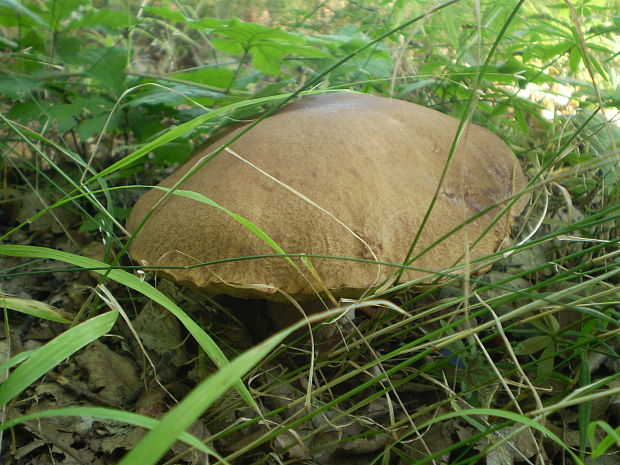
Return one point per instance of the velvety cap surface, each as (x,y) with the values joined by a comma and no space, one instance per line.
(370,163)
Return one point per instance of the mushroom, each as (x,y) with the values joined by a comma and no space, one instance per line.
(332,175)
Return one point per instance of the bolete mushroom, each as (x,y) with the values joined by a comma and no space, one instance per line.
(339,175)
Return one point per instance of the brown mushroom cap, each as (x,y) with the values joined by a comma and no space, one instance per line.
(372,163)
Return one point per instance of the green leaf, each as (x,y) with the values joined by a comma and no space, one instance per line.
(533,344)
(166,13)
(268,45)
(416,85)
(574,59)
(546,364)
(267,59)
(109,68)
(65,117)
(71,49)
(612,437)
(16,11)
(227,45)
(63,8)
(599,68)
(174,152)
(179,131)
(173,94)
(109,18)
(27,111)
(95,104)
(14,361)
(249,33)
(205,23)
(51,354)
(297,49)
(521,120)
(33,308)
(15,86)
(93,126)
(551,51)
(8,43)
(376,64)
(216,77)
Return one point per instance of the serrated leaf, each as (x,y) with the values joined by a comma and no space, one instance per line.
(109,68)
(267,59)
(166,13)
(64,116)
(227,45)
(70,49)
(95,104)
(216,77)
(109,18)
(27,111)
(248,33)
(175,94)
(377,64)
(205,23)
(93,126)
(62,9)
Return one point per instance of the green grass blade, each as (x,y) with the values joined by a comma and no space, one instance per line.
(32,308)
(517,418)
(179,131)
(155,444)
(133,282)
(54,352)
(16,360)
(254,229)
(612,437)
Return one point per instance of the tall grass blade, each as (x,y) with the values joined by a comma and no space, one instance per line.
(155,444)
(133,282)
(51,354)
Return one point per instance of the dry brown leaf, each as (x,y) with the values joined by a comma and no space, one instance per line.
(160,332)
(113,375)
